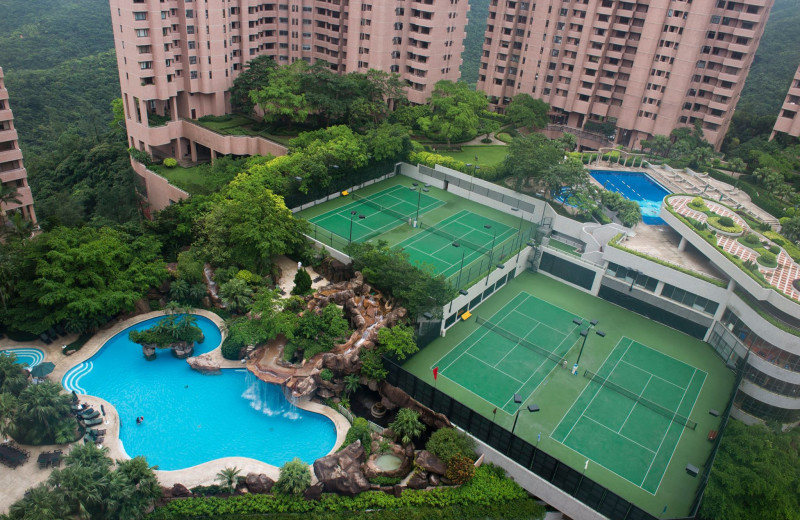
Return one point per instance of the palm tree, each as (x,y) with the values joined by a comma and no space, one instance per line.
(8,407)
(40,503)
(83,487)
(134,488)
(228,478)
(236,294)
(18,227)
(41,408)
(351,383)
(13,378)
(179,290)
(197,291)
(407,425)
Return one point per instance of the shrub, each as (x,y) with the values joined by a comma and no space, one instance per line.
(460,469)
(726,221)
(446,443)
(359,431)
(302,282)
(249,278)
(767,259)
(295,478)
(752,239)
(385,481)
(169,162)
(78,343)
(140,156)
(716,221)
(326,374)
(697,203)
(407,425)
(231,348)
(775,250)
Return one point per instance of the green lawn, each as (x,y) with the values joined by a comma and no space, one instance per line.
(560,389)
(194,180)
(488,155)
(242,125)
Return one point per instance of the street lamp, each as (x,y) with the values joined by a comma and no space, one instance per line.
(585,334)
(353,214)
(531,408)
(471,177)
(458,282)
(491,254)
(414,186)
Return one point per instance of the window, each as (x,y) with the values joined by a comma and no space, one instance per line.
(142,33)
(193,74)
(140,15)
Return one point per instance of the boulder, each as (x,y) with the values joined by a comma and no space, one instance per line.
(434,479)
(141,306)
(259,483)
(418,481)
(314,492)
(431,463)
(398,490)
(182,350)
(394,397)
(204,363)
(180,491)
(341,472)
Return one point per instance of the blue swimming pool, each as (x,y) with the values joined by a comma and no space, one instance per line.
(190,418)
(27,356)
(636,186)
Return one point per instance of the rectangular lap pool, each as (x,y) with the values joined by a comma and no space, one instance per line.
(636,186)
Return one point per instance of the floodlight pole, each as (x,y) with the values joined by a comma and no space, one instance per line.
(585,334)
(491,254)
(419,198)
(458,283)
(353,214)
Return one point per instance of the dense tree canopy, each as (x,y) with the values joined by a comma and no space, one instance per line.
(454,112)
(81,277)
(528,112)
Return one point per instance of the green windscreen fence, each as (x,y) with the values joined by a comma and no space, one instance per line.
(655,313)
(567,271)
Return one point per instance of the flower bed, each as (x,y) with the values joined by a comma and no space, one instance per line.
(731,230)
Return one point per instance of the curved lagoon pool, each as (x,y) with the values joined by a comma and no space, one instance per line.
(190,418)
(25,356)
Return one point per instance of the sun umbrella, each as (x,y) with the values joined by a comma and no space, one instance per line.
(42,369)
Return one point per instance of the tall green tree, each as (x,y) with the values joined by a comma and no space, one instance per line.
(248,225)
(82,277)
(756,475)
(525,111)
(529,157)
(454,111)
(255,76)
(282,98)
(42,411)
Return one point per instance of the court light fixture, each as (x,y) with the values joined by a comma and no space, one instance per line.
(585,335)
(298,179)
(594,323)
(462,292)
(427,315)
(517,398)
(427,185)
(533,407)
(501,266)
(576,321)
(514,209)
(601,333)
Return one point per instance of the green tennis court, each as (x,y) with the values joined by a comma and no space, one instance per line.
(513,352)
(433,245)
(632,423)
(382,212)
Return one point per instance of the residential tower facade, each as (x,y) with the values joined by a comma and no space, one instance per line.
(12,170)
(178,58)
(647,66)
(788,121)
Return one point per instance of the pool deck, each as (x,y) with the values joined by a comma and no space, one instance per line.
(15,482)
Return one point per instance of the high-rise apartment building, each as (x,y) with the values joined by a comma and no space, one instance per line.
(788,121)
(178,58)
(649,66)
(12,171)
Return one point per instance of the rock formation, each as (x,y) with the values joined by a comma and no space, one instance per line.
(341,472)
(204,363)
(258,483)
(394,397)
(431,463)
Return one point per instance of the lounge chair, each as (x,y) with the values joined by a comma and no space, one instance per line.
(93,415)
(86,411)
(92,431)
(51,333)
(93,422)
(99,440)
(45,339)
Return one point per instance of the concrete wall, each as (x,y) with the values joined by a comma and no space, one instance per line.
(160,193)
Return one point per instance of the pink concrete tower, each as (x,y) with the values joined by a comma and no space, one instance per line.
(178,58)
(648,66)
(788,121)
(12,171)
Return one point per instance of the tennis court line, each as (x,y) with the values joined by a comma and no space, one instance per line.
(515,347)
(493,368)
(624,437)
(634,407)
(564,441)
(683,430)
(544,324)
(659,377)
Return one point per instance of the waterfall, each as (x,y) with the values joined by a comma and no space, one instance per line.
(267,398)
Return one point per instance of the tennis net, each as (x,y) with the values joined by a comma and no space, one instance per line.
(666,412)
(520,341)
(389,211)
(430,228)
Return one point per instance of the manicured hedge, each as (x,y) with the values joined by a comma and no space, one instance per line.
(487,492)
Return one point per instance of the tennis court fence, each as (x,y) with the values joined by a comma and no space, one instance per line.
(518,340)
(531,457)
(666,412)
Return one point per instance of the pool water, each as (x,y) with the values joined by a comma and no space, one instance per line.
(636,186)
(26,356)
(191,418)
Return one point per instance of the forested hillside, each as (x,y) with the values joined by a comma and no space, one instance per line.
(775,63)
(61,74)
(473,43)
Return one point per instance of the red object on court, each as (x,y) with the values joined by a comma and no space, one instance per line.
(435,373)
